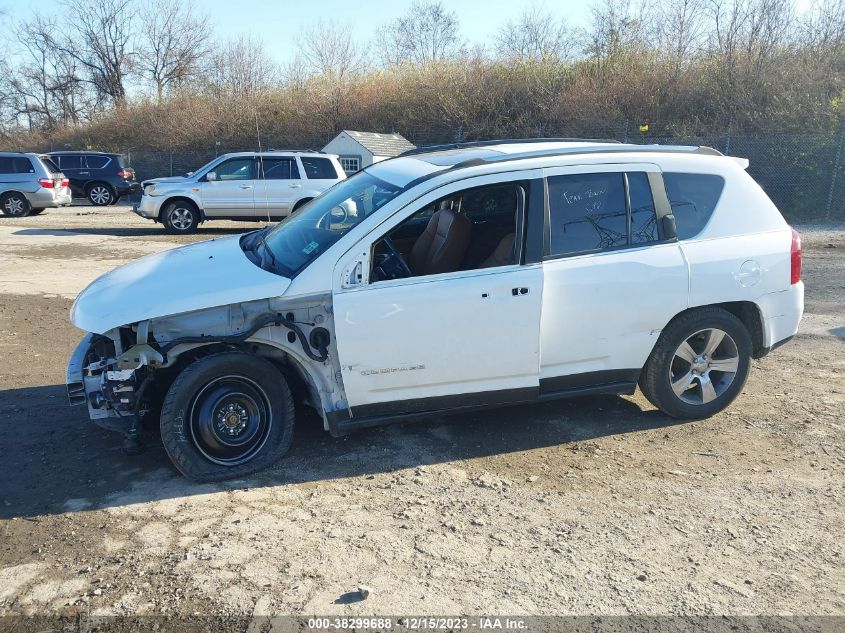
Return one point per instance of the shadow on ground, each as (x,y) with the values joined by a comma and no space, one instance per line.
(57,461)
(154,230)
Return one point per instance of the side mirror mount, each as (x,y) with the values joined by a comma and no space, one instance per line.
(189,174)
(670,230)
(211,176)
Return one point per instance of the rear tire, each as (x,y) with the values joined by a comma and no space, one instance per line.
(100,194)
(180,217)
(227,415)
(35,211)
(15,205)
(699,364)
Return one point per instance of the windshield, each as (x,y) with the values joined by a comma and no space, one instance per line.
(302,237)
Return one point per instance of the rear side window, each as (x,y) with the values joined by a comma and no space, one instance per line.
(318,168)
(50,165)
(97,162)
(587,212)
(693,198)
(279,169)
(643,215)
(16,165)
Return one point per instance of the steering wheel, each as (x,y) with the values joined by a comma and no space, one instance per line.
(397,255)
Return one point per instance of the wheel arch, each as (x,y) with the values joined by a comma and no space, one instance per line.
(180,198)
(746,311)
(296,369)
(302,201)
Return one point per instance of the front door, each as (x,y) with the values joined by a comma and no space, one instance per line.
(232,191)
(463,337)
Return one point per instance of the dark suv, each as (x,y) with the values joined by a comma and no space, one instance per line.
(102,178)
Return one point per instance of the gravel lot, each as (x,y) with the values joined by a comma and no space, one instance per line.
(598,505)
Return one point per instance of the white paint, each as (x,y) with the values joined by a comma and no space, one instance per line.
(193,277)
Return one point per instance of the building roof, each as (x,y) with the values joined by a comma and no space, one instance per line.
(381,144)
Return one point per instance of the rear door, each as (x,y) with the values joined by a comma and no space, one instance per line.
(279,185)
(232,192)
(611,281)
(75,168)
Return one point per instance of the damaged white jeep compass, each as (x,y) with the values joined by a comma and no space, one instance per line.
(448,278)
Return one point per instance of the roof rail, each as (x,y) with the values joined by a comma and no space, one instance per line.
(292,151)
(508,141)
(574,151)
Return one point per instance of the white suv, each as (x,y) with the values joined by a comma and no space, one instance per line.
(240,186)
(445,279)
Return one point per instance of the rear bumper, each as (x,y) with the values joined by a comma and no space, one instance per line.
(43,198)
(781,313)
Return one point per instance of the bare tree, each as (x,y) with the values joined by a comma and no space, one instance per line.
(618,26)
(426,33)
(103,44)
(176,41)
(242,67)
(537,36)
(328,49)
(680,29)
(45,87)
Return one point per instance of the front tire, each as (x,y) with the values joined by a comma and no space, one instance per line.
(15,205)
(99,194)
(180,217)
(699,364)
(35,211)
(227,415)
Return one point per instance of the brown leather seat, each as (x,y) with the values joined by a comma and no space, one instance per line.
(443,244)
(503,253)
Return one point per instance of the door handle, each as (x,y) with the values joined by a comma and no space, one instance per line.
(246,186)
(519,291)
(295,186)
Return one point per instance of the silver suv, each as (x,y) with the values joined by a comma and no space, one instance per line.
(239,186)
(29,184)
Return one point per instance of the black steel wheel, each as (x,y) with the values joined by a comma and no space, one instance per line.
(227,415)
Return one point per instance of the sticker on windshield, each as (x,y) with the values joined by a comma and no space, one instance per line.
(313,246)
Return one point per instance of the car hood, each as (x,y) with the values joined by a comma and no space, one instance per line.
(195,277)
(166,179)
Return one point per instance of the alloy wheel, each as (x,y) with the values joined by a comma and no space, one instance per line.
(181,218)
(14,205)
(100,195)
(704,366)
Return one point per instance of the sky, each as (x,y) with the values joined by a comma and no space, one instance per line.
(279,22)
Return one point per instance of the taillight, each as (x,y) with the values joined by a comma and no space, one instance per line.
(65,183)
(47,183)
(126,174)
(795,258)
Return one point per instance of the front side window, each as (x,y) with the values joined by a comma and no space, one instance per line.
(467,230)
(693,198)
(279,169)
(317,168)
(587,212)
(302,237)
(235,169)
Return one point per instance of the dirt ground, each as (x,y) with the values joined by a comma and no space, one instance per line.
(599,505)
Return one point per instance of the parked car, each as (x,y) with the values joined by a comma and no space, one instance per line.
(101,178)
(442,280)
(29,184)
(239,186)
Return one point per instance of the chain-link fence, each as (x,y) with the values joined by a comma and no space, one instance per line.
(801,173)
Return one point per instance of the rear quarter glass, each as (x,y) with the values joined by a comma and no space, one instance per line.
(693,198)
